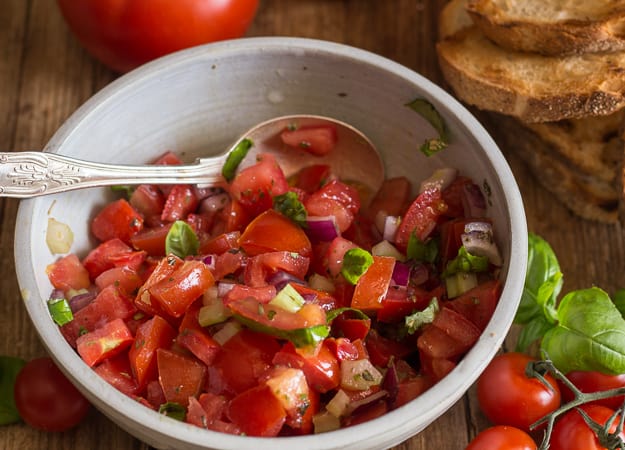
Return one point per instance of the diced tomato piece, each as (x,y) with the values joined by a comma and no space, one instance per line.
(257,412)
(244,358)
(318,140)
(193,337)
(259,267)
(343,349)
(101,258)
(255,186)
(453,195)
(117,220)
(109,304)
(373,284)
(478,304)
(382,349)
(163,271)
(180,376)
(290,387)
(333,260)
(410,389)
(68,273)
(269,316)
(311,178)
(233,217)
(154,392)
(400,302)
(321,366)
(151,240)
(362,232)
(335,199)
(148,200)
(151,335)
(168,158)
(262,294)
(206,410)
(421,218)
(110,339)
(351,326)
(180,202)
(220,244)
(450,335)
(116,371)
(127,279)
(273,232)
(393,197)
(182,287)
(435,368)
(201,223)
(228,263)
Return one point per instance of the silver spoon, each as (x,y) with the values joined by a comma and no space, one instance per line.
(31,174)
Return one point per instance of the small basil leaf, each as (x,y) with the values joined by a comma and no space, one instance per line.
(590,334)
(234,158)
(173,410)
(9,368)
(420,251)
(289,205)
(429,113)
(60,311)
(465,262)
(181,240)
(356,261)
(416,320)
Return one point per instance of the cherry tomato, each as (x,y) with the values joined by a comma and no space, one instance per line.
(502,437)
(572,433)
(590,381)
(126,33)
(46,399)
(508,397)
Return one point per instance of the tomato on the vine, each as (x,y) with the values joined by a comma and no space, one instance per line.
(46,399)
(507,396)
(126,33)
(502,437)
(572,433)
(591,381)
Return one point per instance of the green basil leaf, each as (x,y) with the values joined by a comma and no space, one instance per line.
(289,205)
(543,282)
(9,368)
(429,113)
(173,410)
(234,158)
(60,311)
(356,261)
(181,240)
(420,251)
(334,313)
(416,320)
(590,334)
(465,262)
(619,301)
(532,332)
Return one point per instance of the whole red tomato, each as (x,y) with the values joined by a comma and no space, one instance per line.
(501,437)
(572,433)
(126,33)
(590,381)
(46,399)
(508,397)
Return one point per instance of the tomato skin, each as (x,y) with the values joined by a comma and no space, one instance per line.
(572,433)
(273,232)
(46,399)
(124,34)
(508,397)
(117,220)
(421,217)
(591,381)
(502,437)
(68,273)
(316,140)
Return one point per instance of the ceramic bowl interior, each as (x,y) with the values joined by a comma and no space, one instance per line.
(197,102)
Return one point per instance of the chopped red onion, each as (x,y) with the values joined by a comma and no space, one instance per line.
(419,274)
(321,228)
(440,179)
(282,278)
(209,260)
(360,403)
(202,192)
(473,201)
(478,240)
(223,287)
(391,223)
(214,203)
(79,301)
(390,383)
(401,274)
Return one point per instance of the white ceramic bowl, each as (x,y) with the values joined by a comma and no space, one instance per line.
(197,102)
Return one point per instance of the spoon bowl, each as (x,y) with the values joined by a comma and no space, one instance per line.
(354,158)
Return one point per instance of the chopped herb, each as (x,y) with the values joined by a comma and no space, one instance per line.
(127,190)
(234,159)
(417,319)
(421,251)
(429,113)
(60,311)
(289,205)
(173,410)
(465,262)
(181,240)
(356,261)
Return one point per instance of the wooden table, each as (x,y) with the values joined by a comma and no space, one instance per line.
(45,75)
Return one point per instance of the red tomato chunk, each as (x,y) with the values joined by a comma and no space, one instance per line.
(251,326)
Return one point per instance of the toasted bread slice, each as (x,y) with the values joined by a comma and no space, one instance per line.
(552,27)
(529,86)
(560,164)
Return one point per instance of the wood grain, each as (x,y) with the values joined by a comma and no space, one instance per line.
(45,75)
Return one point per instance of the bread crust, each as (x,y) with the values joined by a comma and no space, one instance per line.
(531,87)
(571,28)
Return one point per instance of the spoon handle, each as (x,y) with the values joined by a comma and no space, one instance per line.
(30,174)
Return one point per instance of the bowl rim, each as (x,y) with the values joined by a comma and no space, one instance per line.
(402,421)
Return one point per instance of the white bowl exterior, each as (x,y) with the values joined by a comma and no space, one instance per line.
(199,101)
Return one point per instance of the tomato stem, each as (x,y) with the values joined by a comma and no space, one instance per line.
(611,441)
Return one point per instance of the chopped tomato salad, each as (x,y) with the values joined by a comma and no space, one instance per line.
(277,306)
